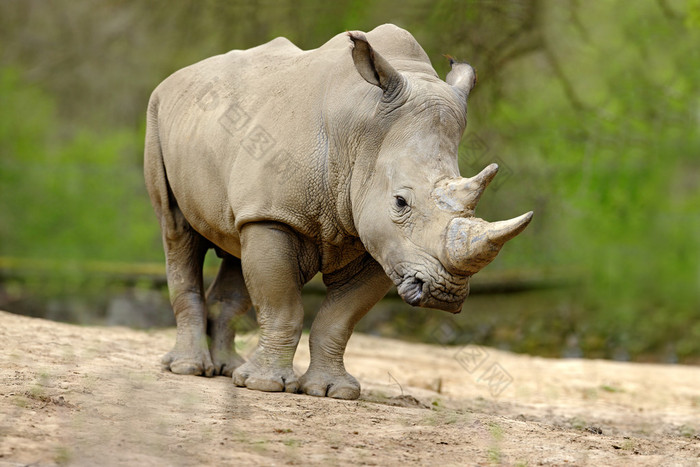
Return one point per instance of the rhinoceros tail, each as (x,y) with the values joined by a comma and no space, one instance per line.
(153,164)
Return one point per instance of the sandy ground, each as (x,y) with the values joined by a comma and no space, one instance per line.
(97,396)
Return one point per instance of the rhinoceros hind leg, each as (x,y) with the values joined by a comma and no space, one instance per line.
(276,262)
(352,291)
(184,251)
(227,301)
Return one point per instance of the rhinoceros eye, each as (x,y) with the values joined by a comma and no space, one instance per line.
(401,202)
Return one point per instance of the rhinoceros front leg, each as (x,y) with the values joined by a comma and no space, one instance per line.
(352,291)
(271,257)
(227,300)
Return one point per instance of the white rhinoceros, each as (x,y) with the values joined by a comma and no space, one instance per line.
(342,160)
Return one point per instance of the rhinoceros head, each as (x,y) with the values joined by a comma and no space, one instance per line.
(412,210)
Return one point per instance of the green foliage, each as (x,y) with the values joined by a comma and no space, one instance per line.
(619,171)
(75,199)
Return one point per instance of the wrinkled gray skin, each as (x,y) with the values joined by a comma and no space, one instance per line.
(342,160)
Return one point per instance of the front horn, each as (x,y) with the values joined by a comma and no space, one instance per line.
(472,243)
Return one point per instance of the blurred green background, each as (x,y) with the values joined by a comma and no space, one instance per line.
(591,108)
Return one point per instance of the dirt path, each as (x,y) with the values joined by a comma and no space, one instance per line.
(97,396)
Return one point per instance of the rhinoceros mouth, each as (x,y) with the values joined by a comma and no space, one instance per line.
(411,290)
(429,294)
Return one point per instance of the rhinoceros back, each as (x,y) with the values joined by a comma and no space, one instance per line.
(228,130)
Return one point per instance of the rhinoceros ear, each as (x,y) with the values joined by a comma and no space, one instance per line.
(461,77)
(373,67)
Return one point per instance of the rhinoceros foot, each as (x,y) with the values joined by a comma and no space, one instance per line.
(189,360)
(337,386)
(254,375)
(225,360)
